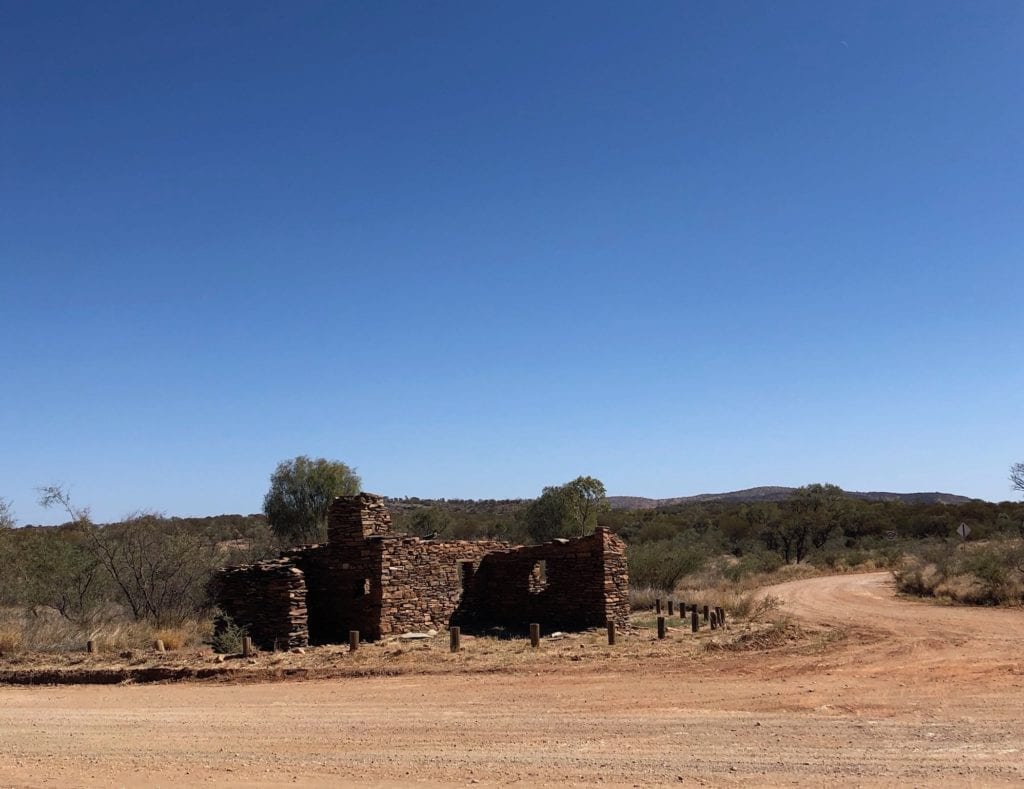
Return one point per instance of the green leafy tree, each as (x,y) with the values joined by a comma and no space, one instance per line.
(765,519)
(565,510)
(805,519)
(57,570)
(584,498)
(547,516)
(430,521)
(301,491)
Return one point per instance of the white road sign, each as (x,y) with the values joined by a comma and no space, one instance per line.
(964,530)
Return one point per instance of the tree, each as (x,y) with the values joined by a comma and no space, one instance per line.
(565,510)
(809,514)
(158,571)
(1017,476)
(301,491)
(430,521)
(161,570)
(64,572)
(7,519)
(584,498)
(547,516)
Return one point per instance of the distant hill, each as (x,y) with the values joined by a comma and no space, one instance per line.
(776,493)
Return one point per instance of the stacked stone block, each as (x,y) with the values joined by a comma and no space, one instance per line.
(424,582)
(268,599)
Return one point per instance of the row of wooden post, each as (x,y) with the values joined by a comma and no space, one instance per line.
(92,648)
(715,617)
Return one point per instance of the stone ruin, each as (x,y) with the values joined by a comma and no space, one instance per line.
(365,578)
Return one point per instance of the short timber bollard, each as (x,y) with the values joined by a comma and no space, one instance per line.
(246,646)
(661,627)
(158,645)
(657,605)
(721,616)
(705,615)
(670,607)
(714,620)
(353,640)
(611,634)
(90,647)
(534,635)
(455,639)
(694,620)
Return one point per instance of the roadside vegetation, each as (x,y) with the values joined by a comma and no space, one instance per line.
(148,576)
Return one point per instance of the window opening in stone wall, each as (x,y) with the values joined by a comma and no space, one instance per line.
(539,576)
(361,588)
(466,574)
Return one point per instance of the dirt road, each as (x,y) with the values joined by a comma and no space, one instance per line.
(892,693)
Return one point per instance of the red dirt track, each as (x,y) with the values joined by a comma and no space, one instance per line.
(891,693)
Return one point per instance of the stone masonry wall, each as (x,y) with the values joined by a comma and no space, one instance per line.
(268,599)
(369,580)
(423,582)
(563,585)
(351,519)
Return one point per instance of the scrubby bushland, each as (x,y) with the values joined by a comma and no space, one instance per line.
(117,583)
(988,573)
(662,563)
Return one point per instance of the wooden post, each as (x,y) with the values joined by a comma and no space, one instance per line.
(657,605)
(246,646)
(454,639)
(611,634)
(90,647)
(661,627)
(705,615)
(721,616)
(714,620)
(158,645)
(694,621)
(670,606)
(353,640)
(534,635)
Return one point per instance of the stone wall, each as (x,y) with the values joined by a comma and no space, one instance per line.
(351,519)
(423,582)
(563,585)
(367,579)
(268,599)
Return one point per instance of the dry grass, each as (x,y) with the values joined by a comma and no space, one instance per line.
(637,648)
(10,640)
(46,631)
(642,598)
(190,634)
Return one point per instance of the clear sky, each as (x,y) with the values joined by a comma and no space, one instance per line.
(477,248)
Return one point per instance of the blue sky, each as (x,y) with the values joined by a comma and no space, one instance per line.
(474,249)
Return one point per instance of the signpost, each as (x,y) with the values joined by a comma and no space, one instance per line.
(964,531)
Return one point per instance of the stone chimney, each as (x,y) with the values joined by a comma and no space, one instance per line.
(351,519)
